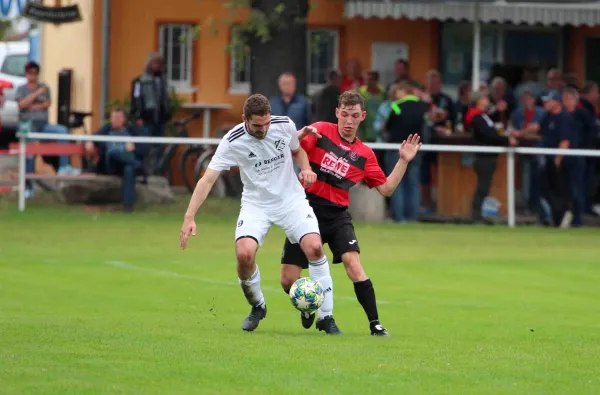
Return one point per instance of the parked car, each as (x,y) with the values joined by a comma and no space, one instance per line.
(13,57)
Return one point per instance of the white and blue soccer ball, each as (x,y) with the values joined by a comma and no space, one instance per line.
(307,295)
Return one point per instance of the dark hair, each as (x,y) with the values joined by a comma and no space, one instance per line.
(332,75)
(351,98)
(463,87)
(31,65)
(374,74)
(403,62)
(119,109)
(256,104)
(588,86)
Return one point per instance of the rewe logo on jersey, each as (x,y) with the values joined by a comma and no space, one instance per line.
(334,165)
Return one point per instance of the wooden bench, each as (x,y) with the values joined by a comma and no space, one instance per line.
(53,149)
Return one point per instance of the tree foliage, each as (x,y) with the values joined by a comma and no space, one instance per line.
(260,28)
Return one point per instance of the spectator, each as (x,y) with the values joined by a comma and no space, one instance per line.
(502,102)
(530,83)
(118,158)
(151,103)
(584,126)
(407,116)
(443,117)
(557,132)
(289,103)
(33,100)
(484,133)
(402,72)
(588,99)
(571,81)
(462,104)
(353,78)
(526,119)
(325,102)
(383,113)
(554,82)
(374,95)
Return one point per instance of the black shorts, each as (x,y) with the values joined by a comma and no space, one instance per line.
(338,232)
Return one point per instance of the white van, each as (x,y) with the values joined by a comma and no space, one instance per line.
(13,57)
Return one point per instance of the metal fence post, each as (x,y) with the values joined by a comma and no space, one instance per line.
(22,169)
(510,186)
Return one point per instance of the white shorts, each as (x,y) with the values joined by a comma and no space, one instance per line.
(296,221)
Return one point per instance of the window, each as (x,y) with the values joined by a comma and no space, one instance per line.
(175,43)
(14,65)
(239,74)
(322,56)
(511,46)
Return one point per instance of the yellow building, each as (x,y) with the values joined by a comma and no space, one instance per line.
(372,31)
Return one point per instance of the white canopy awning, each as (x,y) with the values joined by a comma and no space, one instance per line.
(530,13)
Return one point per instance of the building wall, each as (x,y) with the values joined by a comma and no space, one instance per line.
(69,46)
(134,34)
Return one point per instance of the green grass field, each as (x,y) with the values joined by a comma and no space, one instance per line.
(99,303)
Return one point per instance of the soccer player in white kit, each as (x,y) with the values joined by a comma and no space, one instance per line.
(263,147)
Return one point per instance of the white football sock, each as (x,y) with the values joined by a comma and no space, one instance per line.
(319,270)
(252,290)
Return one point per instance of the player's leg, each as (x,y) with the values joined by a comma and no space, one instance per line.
(301,226)
(293,261)
(345,248)
(252,227)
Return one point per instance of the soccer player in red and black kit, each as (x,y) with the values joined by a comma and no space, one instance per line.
(340,161)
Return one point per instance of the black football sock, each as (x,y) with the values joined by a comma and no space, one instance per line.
(366,297)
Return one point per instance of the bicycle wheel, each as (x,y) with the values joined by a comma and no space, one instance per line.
(202,164)
(234,183)
(219,189)
(187,166)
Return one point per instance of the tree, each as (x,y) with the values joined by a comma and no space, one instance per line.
(285,51)
(274,34)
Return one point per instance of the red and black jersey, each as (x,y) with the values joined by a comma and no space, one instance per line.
(339,166)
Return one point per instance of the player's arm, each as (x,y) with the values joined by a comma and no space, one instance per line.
(223,159)
(408,150)
(393,180)
(201,191)
(307,176)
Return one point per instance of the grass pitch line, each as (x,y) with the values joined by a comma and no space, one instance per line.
(168,273)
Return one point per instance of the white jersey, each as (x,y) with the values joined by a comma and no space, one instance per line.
(266,165)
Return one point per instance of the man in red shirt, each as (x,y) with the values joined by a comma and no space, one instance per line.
(340,161)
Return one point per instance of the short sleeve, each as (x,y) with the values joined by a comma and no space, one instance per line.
(223,159)
(20,93)
(294,142)
(309,142)
(374,176)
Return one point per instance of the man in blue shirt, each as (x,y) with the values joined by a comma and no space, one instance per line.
(526,119)
(560,180)
(289,103)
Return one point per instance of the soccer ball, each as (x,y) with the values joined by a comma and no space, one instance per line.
(307,295)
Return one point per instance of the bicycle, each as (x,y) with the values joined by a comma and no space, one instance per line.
(231,179)
(164,166)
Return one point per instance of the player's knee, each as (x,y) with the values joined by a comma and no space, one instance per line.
(245,257)
(312,246)
(354,269)
(287,281)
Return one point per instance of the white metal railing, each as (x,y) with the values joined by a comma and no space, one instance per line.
(509,151)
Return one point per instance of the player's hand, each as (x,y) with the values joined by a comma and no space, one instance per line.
(187,229)
(308,130)
(307,177)
(410,147)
